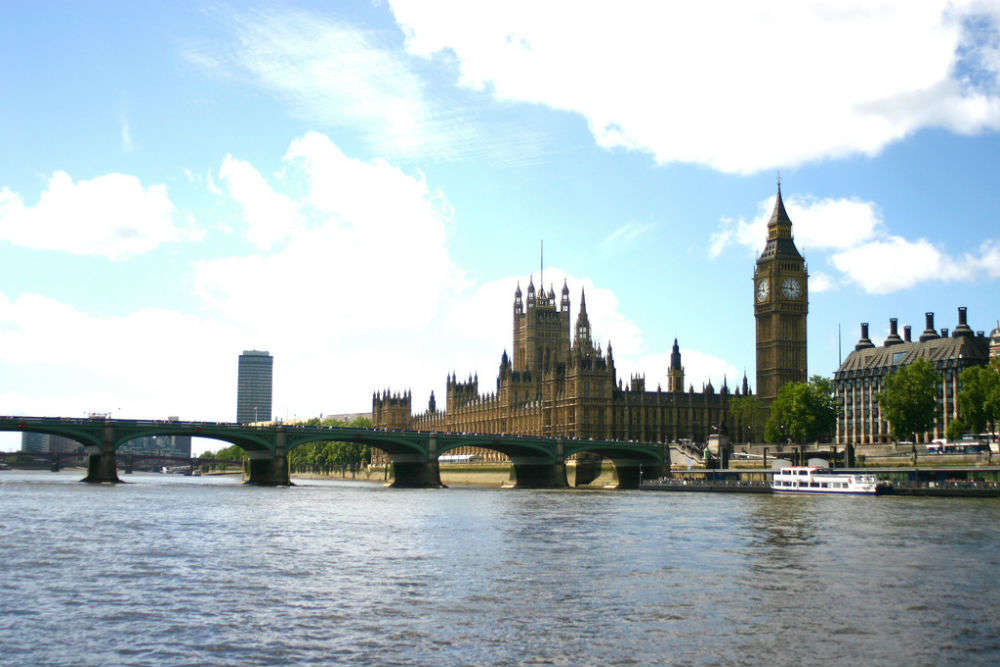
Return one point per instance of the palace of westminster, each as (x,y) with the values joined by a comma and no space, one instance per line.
(558,385)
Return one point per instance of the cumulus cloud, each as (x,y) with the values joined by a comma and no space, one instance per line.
(818,224)
(736,86)
(149,363)
(270,217)
(894,263)
(114,216)
(852,235)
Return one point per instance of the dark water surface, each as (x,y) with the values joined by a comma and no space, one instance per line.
(203,571)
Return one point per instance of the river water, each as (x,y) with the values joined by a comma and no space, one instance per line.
(203,571)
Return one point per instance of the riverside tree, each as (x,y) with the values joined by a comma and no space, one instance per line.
(748,411)
(979,399)
(326,456)
(908,400)
(802,412)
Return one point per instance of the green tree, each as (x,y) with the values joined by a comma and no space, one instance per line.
(909,399)
(802,411)
(956,429)
(979,399)
(749,412)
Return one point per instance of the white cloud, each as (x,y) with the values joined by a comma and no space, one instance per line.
(627,233)
(149,363)
(863,249)
(270,217)
(112,215)
(128,144)
(363,296)
(820,282)
(894,263)
(334,74)
(817,224)
(736,86)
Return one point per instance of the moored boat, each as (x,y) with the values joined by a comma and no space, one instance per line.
(814,479)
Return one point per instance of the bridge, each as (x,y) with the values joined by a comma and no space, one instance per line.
(537,461)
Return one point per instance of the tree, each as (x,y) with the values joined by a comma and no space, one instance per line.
(979,399)
(909,399)
(955,430)
(749,412)
(802,411)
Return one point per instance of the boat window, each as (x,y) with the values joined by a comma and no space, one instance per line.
(824,485)
(803,472)
(814,485)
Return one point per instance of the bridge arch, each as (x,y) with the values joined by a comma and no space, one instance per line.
(85,439)
(248,443)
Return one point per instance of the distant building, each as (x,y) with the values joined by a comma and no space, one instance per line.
(862,375)
(560,382)
(43,443)
(163,445)
(253,387)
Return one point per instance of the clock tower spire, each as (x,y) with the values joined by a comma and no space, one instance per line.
(781,304)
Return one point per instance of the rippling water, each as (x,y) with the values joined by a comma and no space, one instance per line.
(187,571)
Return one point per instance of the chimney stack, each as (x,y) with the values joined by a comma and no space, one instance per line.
(893,337)
(929,332)
(963,328)
(865,342)
(944,332)
(907,334)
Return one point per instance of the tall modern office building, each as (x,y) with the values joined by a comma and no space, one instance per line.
(42,443)
(253,391)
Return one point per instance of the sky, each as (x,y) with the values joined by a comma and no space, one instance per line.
(358,187)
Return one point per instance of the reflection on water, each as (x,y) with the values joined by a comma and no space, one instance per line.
(181,571)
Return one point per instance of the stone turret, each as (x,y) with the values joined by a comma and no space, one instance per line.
(675,372)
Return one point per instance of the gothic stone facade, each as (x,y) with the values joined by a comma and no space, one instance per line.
(862,375)
(556,387)
(561,385)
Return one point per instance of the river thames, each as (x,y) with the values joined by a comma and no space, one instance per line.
(204,571)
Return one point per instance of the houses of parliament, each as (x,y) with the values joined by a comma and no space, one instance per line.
(558,384)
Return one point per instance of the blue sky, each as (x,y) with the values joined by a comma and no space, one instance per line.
(358,187)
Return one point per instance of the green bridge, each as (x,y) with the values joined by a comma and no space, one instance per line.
(537,462)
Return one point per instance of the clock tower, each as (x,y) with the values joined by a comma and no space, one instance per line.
(781,303)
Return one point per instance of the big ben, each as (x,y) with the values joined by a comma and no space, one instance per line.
(781,304)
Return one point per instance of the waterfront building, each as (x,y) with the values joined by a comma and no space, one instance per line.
(253,387)
(558,384)
(862,375)
(162,445)
(43,443)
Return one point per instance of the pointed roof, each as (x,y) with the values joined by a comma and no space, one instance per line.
(779,234)
(779,216)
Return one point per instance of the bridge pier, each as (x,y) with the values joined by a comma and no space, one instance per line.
(102,461)
(413,471)
(415,474)
(628,472)
(588,468)
(536,473)
(55,464)
(263,469)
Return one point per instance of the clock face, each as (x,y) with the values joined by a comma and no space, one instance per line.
(791,289)
(762,290)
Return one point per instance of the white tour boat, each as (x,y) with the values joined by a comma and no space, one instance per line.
(813,479)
